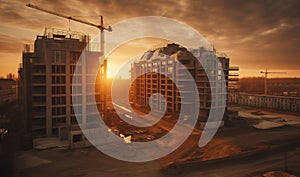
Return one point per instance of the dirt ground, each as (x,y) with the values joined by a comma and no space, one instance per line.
(236,138)
(87,162)
(90,162)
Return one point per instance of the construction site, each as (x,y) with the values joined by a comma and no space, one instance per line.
(257,136)
(278,133)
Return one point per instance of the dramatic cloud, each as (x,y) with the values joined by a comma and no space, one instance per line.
(254,34)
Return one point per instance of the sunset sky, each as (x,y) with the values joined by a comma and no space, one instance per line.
(254,34)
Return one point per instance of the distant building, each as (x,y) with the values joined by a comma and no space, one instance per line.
(8,90)
(272,102)
(155,81)
(276,86)
(46,78)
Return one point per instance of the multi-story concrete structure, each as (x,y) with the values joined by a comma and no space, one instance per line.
(46,77)
(159,69)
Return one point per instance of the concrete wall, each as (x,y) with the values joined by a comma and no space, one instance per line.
(281,103)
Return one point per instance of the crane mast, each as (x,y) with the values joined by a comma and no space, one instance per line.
(266,79)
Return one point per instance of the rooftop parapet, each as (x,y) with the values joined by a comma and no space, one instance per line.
(61,34)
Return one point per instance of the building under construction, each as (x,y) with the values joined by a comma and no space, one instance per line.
(46,76)
(159,69)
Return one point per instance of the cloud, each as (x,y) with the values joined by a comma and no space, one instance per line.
(10,44)
(260,31)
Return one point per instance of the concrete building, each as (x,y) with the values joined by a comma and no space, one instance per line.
(159,69)
(46,77)
(278,103)
(8,90)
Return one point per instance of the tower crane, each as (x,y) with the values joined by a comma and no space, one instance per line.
(101,29)
(266,78)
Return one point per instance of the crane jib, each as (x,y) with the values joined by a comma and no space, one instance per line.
(101,27)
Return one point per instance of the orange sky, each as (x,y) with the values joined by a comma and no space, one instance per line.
(255,35)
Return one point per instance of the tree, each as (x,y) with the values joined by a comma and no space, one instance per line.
(11,76)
